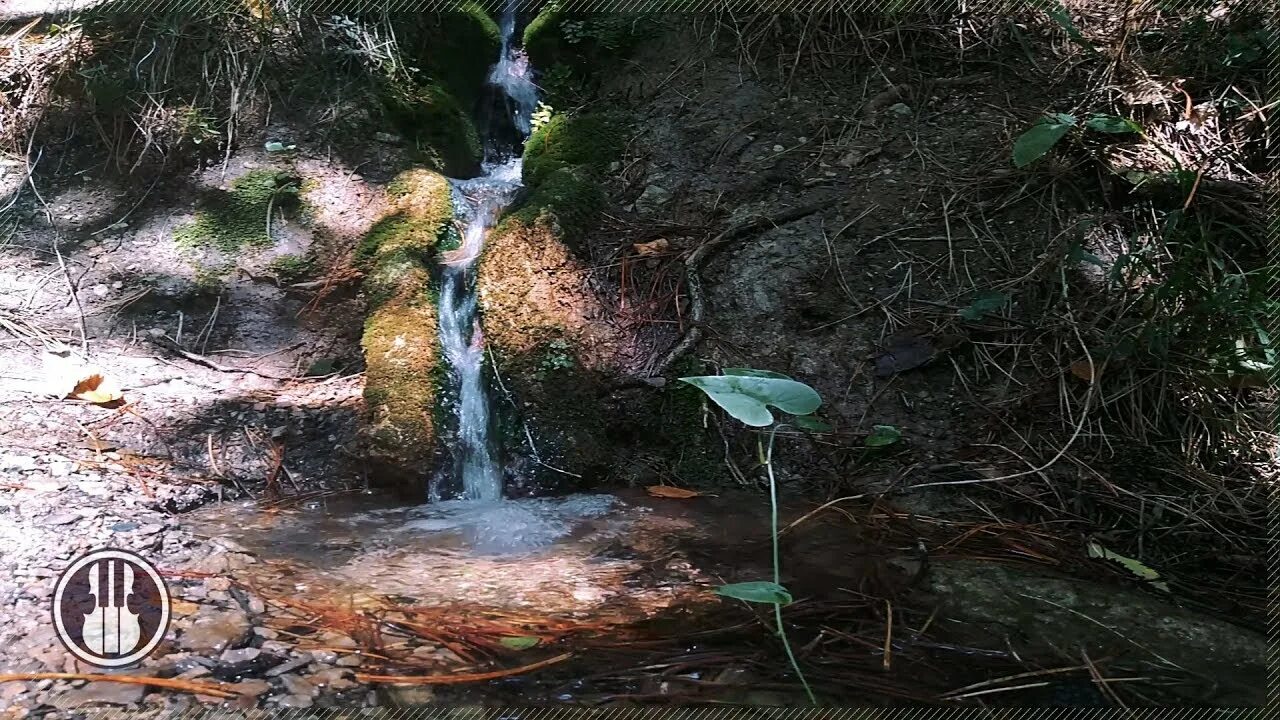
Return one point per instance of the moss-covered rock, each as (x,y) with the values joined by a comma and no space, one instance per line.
(400,340)
(441,132)
(544,328)
(454,48)
(590,140)
(578,47)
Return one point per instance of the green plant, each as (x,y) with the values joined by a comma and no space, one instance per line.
(1040,138)
(556,358)
(746,395)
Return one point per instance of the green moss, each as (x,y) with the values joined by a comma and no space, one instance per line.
(542,39)
(400,339)
(235,220)
(591,140)
(293,268)
(441,132)
(567,200)
(456,49)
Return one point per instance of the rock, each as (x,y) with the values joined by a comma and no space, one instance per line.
(294,701)
(20,463)
(61,468)
(101,290)
(900,109)
(332,678)
(44,484)
(62,518)
(777,148)
(251,687)
(216,631)
(289,666)
(410,695)
(297,686)
(349,661)
(239,656)
(156,332)
(329,638)
(653,198)
(94,693)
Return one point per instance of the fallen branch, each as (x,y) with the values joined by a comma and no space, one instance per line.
(693,280)
(460,678)
(192,686)
(202,360)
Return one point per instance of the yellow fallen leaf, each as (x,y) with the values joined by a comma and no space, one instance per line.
(656,247)
(96,389)
(675,493)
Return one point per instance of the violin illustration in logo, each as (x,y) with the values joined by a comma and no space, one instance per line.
(111,608)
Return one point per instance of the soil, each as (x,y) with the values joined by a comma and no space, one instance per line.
(238,387)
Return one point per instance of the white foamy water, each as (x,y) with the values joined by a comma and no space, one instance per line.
(480,201)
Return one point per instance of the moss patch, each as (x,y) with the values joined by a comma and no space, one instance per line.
(578,47)
(590,140)
(400,339)
(440,131)
(235,220)
(293,268)
(456,48)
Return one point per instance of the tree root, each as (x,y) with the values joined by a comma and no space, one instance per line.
(693,278)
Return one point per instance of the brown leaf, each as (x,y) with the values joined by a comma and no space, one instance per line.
(675,493)
(1086,372)
(96,389)
(656,247)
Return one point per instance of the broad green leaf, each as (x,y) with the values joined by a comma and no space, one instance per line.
(1040,138)
(748,372)
(519,642)
(745,397)
(1112,124)
(988,301)
(882,435)
(1133,566)
(810,424)
(758,591)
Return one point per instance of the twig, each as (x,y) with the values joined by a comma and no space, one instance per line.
(191,686)
(461,678)
(693,280)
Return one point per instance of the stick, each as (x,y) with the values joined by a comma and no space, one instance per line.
(191,686)
(693,280)
(459,679)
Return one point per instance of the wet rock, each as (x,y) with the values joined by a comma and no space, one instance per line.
(100,693)
(251,687)
(410,695)
(242,661)
(289,666)
(294,701)
(216,631)
(332,678)
(298,686)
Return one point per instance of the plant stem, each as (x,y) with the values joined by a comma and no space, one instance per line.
(767,457)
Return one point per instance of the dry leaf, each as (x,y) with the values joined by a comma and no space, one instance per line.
(657,247)
(1085,371)
(675,493)
(96,389)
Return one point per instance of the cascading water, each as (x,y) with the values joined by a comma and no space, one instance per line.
(506,122)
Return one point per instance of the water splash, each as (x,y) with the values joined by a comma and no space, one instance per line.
(479,202)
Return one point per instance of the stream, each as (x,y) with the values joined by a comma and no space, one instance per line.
(511,98)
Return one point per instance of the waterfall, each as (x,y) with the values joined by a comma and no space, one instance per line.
(512,99)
